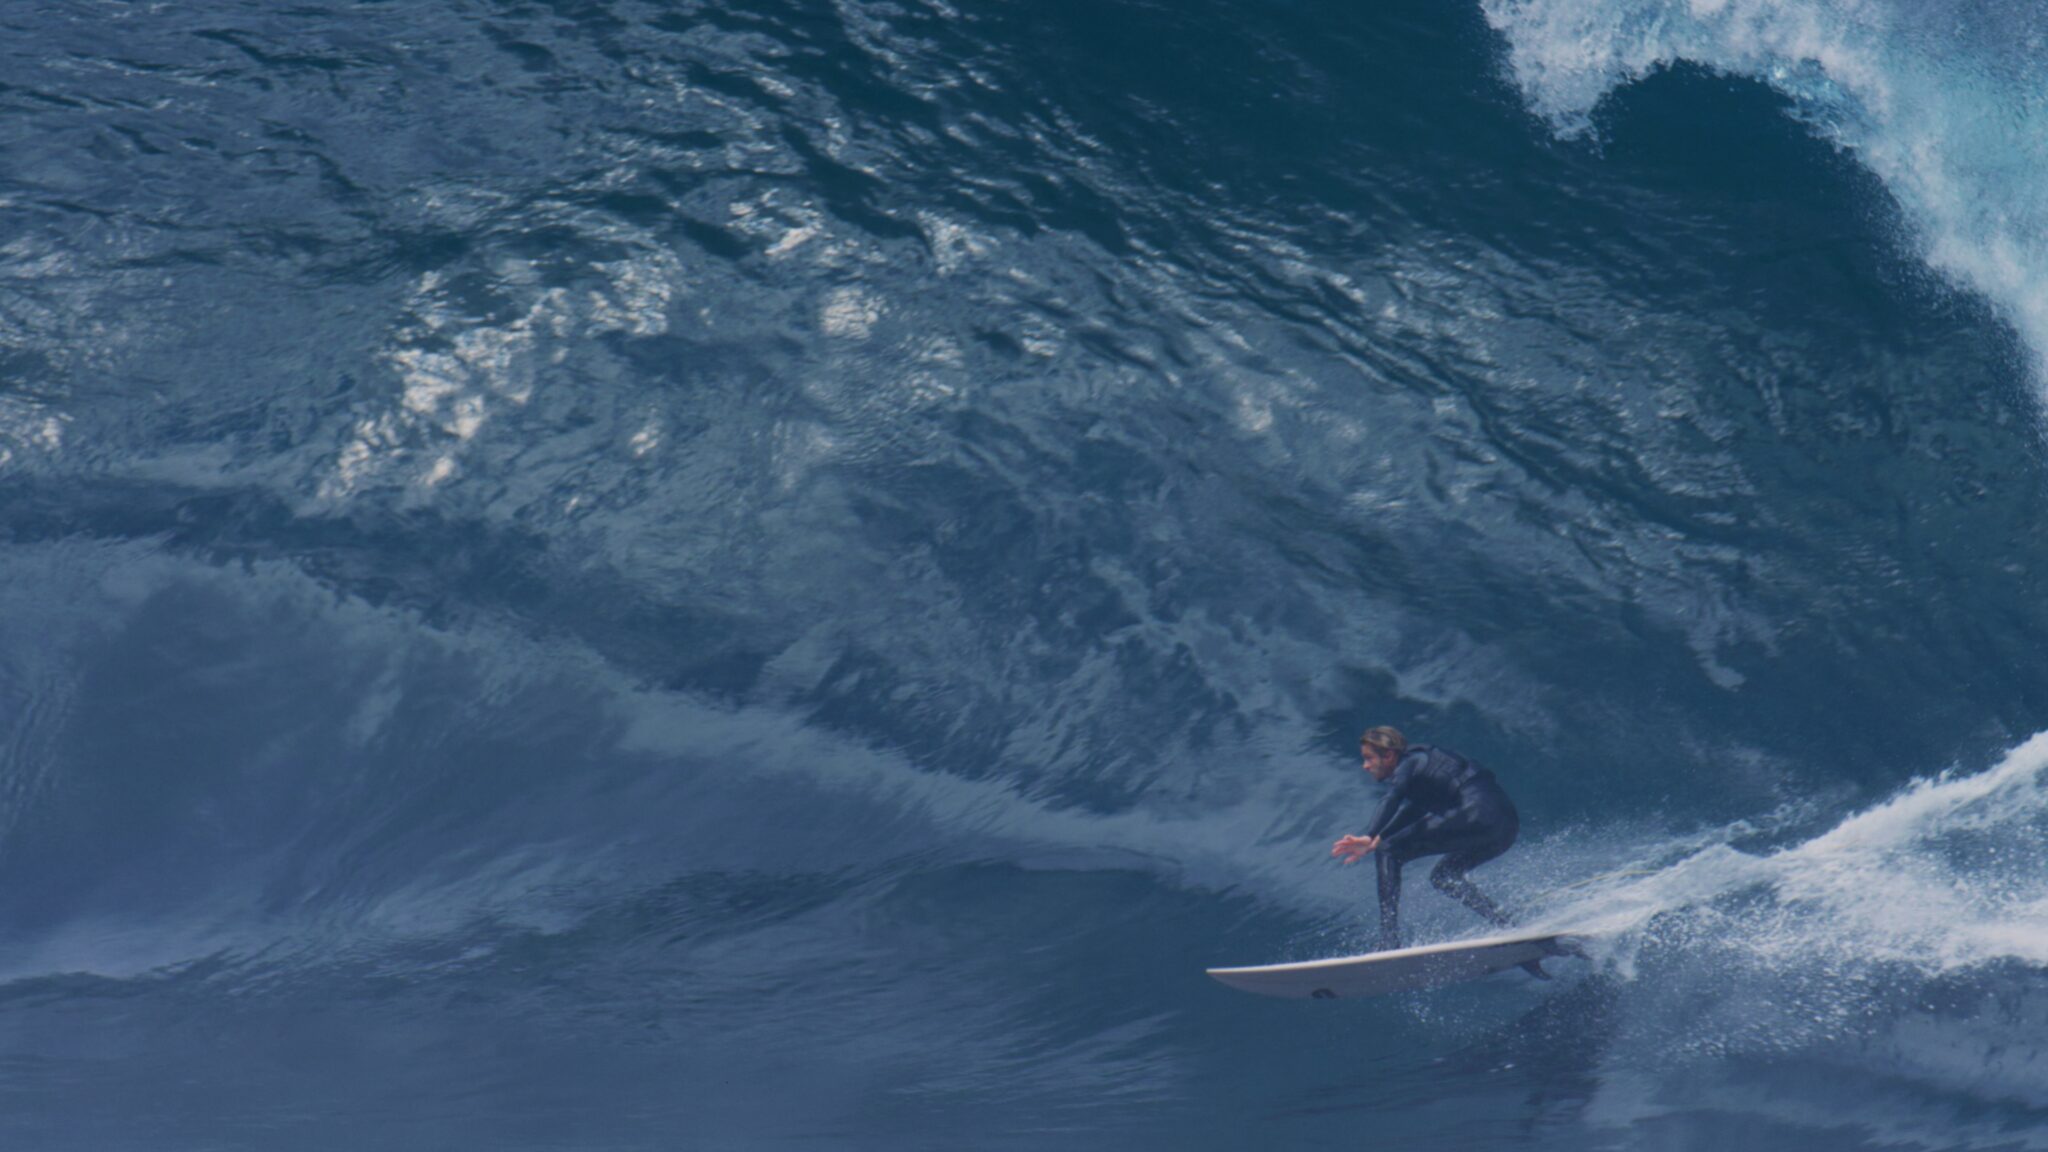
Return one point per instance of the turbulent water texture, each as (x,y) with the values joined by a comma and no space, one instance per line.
(609,574)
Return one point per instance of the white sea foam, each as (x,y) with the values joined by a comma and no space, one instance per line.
(1942,101)
(1943,877)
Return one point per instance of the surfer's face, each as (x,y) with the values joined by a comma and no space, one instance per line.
(1378,761)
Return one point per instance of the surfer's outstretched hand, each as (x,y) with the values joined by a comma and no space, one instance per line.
(1354,848)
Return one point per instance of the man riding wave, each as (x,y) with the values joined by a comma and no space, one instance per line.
(1438,803)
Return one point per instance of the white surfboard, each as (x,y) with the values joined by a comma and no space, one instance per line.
(1399,970)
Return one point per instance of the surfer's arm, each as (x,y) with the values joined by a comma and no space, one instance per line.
(1397,809)
(1404,830)
(1415,822)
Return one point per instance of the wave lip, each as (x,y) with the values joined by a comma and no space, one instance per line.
(1943,102)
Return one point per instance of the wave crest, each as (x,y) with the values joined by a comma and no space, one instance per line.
(1941,101)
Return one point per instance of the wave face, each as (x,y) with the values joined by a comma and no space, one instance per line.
(623,575)
(1941,101)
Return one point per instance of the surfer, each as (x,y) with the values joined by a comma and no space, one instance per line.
(1438,803)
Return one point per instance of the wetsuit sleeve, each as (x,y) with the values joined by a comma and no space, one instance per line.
(1397,809)
(1406,829)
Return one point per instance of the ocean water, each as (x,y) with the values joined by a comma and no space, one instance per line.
(620,574)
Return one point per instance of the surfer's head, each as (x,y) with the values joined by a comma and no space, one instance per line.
(1380,749)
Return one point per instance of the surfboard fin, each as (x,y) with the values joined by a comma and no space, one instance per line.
(1566,946)
(1535,968)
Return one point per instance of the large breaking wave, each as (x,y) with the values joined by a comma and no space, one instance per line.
(1942,100)
(834,559)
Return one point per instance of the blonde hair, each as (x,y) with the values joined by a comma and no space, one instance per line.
(1386,739)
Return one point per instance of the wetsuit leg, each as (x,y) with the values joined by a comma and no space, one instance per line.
(1465,844)
(1450,879)
(1390,860)
(1389,864)
(1466,847)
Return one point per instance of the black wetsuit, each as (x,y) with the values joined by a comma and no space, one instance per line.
(1440,803)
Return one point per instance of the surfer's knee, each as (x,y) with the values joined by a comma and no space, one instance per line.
(1447,878)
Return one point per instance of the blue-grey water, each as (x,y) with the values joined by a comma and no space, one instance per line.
(625,574)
